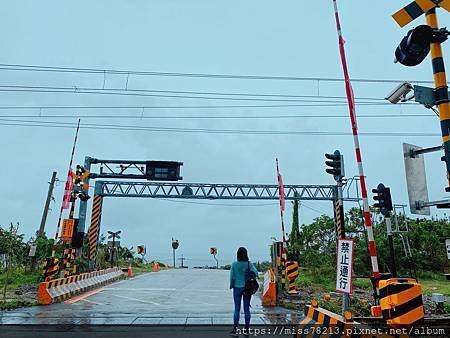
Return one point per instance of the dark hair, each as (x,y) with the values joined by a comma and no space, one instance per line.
(242,254)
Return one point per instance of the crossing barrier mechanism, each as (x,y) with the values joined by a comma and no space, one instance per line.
(61,289)
(401,301)
(319,322)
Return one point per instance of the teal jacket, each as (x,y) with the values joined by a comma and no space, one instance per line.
(238,273)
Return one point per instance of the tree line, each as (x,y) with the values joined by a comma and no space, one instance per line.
(314,245)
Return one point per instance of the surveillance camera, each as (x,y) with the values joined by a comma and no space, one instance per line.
(399,93)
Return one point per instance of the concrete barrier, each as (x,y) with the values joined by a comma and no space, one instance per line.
(61,289)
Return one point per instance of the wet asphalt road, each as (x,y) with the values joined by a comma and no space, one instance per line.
(169,297)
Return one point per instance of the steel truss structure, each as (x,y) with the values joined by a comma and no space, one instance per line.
(215,191)
(125,169)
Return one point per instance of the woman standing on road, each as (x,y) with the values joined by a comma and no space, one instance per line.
(238,276)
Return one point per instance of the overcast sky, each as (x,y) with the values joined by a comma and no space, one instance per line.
(273,38)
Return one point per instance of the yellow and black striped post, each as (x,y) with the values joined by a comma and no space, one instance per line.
(339,218)
(94,229)
(292,274)
(51,268)
(441,91)
(283,274)
(68,258)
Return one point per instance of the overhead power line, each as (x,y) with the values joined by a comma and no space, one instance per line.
(160,91)
(54,124)
(178,94)
(40,68)
(211,117)
(218,204)
(202,106)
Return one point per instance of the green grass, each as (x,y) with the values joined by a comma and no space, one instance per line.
(316,282)
(19,277)
(363,283)
(431,282)
(435,286)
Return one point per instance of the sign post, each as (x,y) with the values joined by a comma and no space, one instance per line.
(344,266)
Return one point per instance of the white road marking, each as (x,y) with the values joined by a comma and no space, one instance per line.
(90,301)
(134,299)
(142,289)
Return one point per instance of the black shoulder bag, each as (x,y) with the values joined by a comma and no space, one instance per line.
(251,284)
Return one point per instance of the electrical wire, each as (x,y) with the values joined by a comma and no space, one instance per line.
(151,93)
(217,204)
(159,91)
(321,212)
(40,68)
(237,117)
(54,124)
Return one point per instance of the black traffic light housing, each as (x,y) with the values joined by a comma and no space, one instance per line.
(163,170)
(415,46)
(336,165)
(383,199)
(141,249)
(175,244)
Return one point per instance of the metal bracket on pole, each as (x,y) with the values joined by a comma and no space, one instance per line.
(442,204)
(414,152)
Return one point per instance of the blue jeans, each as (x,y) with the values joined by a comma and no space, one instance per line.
(238,294)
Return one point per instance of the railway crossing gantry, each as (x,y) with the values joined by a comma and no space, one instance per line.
(125,169)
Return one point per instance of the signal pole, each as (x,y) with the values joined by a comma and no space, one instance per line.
(336,168)
(384,203)
(113,235)
(175,245)
(441,91)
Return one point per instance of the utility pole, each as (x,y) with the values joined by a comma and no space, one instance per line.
(43,219)
(47,205)
(182,259)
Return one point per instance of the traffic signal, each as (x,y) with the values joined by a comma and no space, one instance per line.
(80,175)
(336,165)
(213,251)
(383,198)
(80,187)
(163,170)
(415,46)
(141,250)
(175,244)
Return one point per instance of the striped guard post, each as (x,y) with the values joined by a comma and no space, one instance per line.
(401,301)
(319,322)
(51,268)
(292,274)
(94,229)
(64,288)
